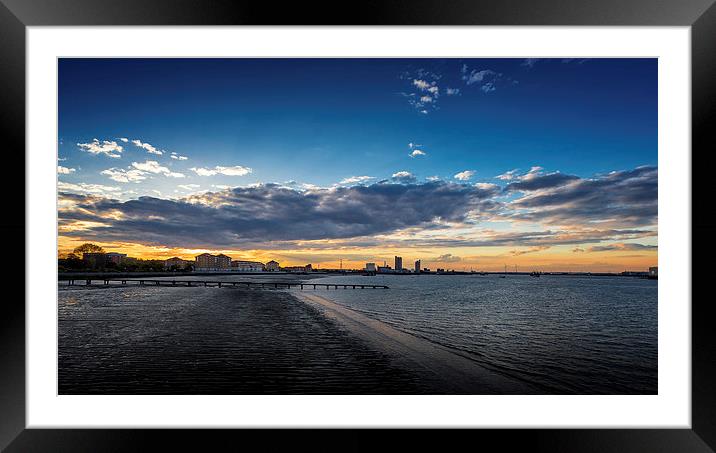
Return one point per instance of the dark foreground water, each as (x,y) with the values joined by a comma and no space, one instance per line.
(565,334)
(153,340)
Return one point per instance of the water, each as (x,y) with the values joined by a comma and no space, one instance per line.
(173,340)
(565,334)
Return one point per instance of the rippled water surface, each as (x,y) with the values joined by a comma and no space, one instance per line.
(155,340)
(567,334)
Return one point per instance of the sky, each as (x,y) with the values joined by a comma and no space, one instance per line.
(542,164)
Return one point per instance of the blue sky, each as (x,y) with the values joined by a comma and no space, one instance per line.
(310,123)
(349,116)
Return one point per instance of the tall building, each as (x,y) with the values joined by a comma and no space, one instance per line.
(417,267)
(398,263)
(223,262)
(209,262)
(247,266)
(370,267)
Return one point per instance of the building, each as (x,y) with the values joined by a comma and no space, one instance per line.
(417,267)
(385,270)
(114,257)
(306,268)
(370,267)
(204,261)
(247,266)
(222,261)
(272,266)
(398,263)
(177,263)
(209,262)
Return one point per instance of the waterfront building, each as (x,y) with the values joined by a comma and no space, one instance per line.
(385,269)
(223,262)
(273,266)
(306,268)
(398,263)
(370,267)
(209,262)
(177,263)
(114,257)
(247,266)
(205,261)
(417,267)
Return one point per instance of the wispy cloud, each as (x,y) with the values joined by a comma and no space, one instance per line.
(236,170)
(176,156)
(530,62)
(356,179)
(149,148)
(152,166)
(446,258)
(64,170)
(465,175)
(622,247)
(84,188)
(417,152)
(452,91)
(122,175)
(508,175)
(106,147)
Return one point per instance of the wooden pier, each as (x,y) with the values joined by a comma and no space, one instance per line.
(216,284)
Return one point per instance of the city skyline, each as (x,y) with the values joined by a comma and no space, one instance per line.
(460,163)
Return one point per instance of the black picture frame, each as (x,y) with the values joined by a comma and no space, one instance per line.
(700,15)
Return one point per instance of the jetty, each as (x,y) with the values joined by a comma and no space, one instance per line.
(217,284)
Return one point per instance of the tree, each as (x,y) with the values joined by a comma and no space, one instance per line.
(88,248)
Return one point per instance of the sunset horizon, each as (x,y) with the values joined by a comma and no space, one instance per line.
(543,165)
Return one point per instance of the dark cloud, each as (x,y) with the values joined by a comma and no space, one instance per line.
(447,258)
(625,247)
(270,212)
(624,198)
(539,182)
(530,250)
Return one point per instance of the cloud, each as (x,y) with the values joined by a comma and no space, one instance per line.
(486,186)
(176,156)
(64,170)
(620,198)
(489,87)
(83,188)
(189,186)
(533,181)
(577,250)
(428,91)
(452,91)
(433,178)
(268,212)
(236,170)
(356,179)
(426,99)
(404,177)
(124,139)
(530,250)
(412,145)
(530,62)
(464,175)
(106,147)
(150,149)
(152,166)
(122,175)
(417,153)
(622,247)
(508,175)
(447,258)
(474,76)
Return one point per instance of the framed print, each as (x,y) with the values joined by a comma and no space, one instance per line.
(436,218)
